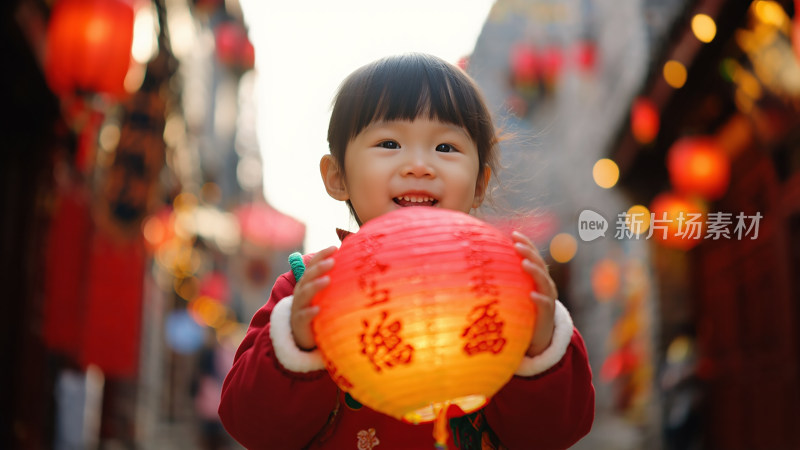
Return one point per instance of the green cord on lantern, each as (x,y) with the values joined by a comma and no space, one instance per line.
(297,265)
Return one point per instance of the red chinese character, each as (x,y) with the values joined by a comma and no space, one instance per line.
(485,333)
(383,345)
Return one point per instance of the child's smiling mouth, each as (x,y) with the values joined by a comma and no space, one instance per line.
(415,200)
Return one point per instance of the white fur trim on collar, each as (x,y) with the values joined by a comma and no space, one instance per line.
(288,353)
(562,336)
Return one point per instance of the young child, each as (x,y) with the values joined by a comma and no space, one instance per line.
(405,131)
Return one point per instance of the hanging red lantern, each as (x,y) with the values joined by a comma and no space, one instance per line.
(645,120)
(524,66)
(426,308)
(234,49)
(89,46)
(677,221)
(551,61)
(463,62)
(586,55)
(698,166)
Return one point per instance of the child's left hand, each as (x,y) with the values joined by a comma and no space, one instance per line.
(543,297)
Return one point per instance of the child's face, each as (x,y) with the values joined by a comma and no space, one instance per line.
(391,165)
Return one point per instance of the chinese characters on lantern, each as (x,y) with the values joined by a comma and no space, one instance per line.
(369,271)
(485,331)
(380,339)
(383,344)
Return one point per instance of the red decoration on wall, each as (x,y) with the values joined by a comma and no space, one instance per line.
(113,309)
(698,166)
(67,249)
(425,306)
(93,291)
(89,46)
(265,226)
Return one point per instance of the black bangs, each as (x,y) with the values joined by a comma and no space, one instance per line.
(404,88)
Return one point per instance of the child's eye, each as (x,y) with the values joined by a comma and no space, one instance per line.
(446,148)
(389,144)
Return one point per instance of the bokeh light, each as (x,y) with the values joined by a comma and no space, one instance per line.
(675,74)
(638,219)
(182,333)
(563,247)
(770,13)
(645,120)
(683,229)
(605,279)
(704,28)
(605,173)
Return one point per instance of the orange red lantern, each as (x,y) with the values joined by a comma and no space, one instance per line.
(677,221)
(699,166)
(426,308)
(89,46)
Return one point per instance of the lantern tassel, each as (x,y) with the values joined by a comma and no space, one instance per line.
(440,433)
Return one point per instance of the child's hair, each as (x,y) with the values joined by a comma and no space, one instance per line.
(405,87)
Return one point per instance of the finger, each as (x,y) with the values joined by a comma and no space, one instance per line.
(316,269)
(522,240)
(530,253)
(519,237)
(305,292)
(543,302)
(541,278)
(322,254)
(305,315)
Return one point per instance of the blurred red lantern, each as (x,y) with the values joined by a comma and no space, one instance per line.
(586,55)
(463,62)
(89,46)
(698,166)
(524,65)
(645,120)
(551,61)
(426,307)
(234,49)
(678,221)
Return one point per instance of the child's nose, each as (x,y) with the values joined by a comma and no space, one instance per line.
(418,164)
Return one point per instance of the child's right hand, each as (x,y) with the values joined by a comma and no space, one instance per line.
(313,281)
